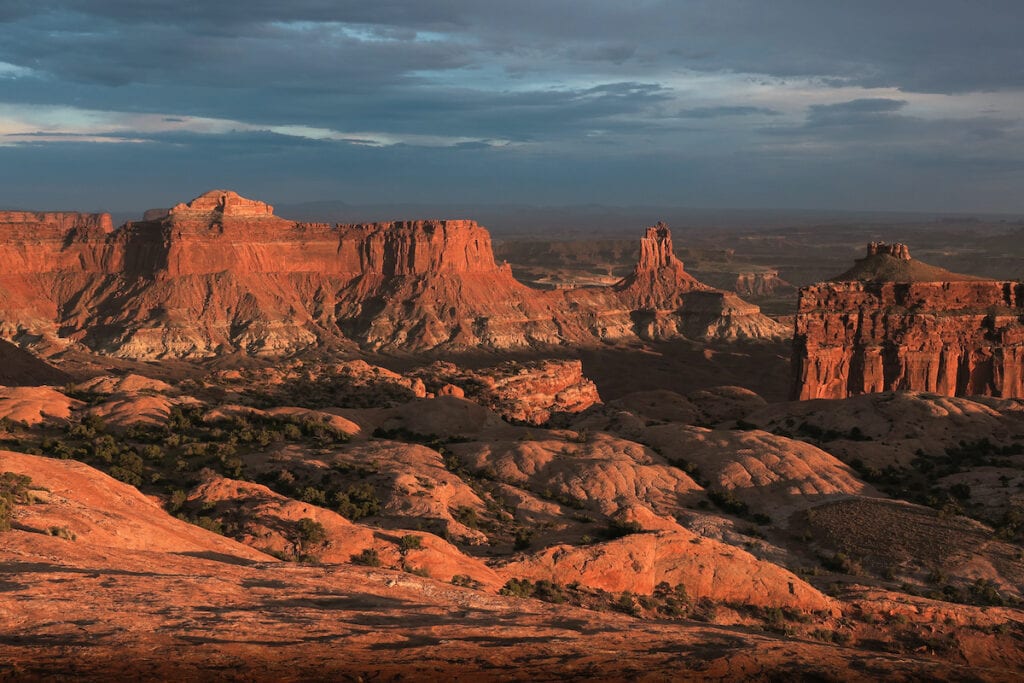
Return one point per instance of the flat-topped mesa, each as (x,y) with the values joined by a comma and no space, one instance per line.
(431,247)
(222,274)
(35,243)
(894,323)
(225,203)
(44,224)
(896,250)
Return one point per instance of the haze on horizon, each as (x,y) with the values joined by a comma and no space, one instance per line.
(122,105)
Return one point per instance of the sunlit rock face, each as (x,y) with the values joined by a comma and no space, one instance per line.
(895,323)
(223,274)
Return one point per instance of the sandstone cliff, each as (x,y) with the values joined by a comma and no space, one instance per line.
(222,273)
(887,324)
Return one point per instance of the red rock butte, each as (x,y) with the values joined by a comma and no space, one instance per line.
(223,274)
(894,323)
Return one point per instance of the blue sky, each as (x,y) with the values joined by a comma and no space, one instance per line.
(821,104)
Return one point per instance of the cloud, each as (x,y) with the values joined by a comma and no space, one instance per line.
(726,110)
(707,93)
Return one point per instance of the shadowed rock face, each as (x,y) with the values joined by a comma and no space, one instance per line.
(223,274)
(894,323)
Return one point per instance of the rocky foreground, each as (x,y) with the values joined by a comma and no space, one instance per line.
(337,519)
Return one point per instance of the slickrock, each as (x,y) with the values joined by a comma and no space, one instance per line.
(130,383)
(103,512)
(269,522)
(409,482)
(601,473)
(35,405)
(530,392)
(894,323)
(123,411)
(223,274)
(770,473)
(707,568)
(894,428)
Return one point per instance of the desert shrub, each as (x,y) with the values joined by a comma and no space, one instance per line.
(517,588)
(674,600)
(368,557)
(14,490)
(418,571)
(831,636)
(467,517)
(961,491)
(842,563)
(523,538)
(727,502)
(310,532)
(1011,522)
(357,501)
(626,603)
(466,581)
(208,523)
(410,542)
(618,528)
(313,496)
(549,591)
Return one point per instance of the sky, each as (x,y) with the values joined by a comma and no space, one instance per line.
(899,105)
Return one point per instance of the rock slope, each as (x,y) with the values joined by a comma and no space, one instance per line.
(894,323)
(223,274)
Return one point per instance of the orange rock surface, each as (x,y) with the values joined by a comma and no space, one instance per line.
(889,324)
(223,273)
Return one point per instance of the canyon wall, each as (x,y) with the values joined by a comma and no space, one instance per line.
(223,274)
(955,337)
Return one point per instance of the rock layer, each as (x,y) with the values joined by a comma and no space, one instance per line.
(222,273)
(886,325)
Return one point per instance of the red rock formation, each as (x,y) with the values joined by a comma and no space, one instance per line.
(659,277)
(896,250)
(530,392)
(223,273)
(954,337)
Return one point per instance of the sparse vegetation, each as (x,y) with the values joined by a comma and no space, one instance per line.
(14,490)
(310,533)
(368,557)
(410,542)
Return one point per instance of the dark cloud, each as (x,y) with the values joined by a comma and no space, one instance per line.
(915,45)
(658,93)
(727,110)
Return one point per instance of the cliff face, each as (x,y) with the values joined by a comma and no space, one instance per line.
(956,337)
(223,274)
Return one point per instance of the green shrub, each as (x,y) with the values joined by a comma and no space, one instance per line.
(14,489)
(517,588)
(311,532)
(410,542)
(368,557)
(357,501)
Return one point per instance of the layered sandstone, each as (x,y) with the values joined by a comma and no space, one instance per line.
(223,274)
(887,325)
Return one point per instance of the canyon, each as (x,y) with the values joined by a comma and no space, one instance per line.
(266,443)
(223,274)
(893,323)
